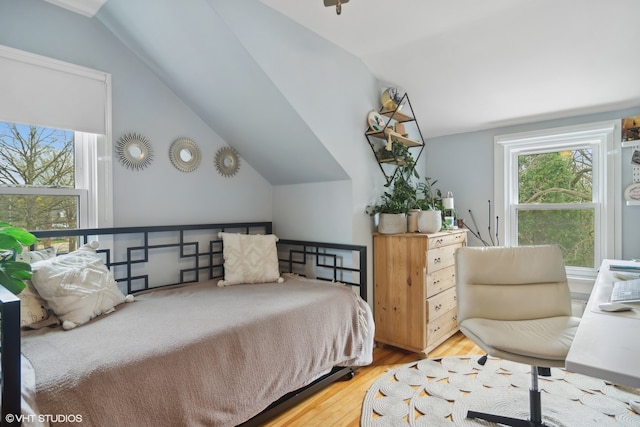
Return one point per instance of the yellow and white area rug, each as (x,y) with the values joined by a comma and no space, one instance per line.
(438,392)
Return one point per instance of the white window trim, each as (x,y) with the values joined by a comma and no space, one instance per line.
(95,197)
(604,134)
(96,177)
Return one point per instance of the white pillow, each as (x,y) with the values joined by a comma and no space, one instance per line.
(77,286)
(33,308)
(34,256)
(249,258)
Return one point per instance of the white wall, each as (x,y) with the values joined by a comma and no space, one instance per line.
(159,194)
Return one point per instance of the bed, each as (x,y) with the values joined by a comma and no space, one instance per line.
(198,345)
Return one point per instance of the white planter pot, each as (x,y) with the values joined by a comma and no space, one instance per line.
(392,223)
(429,222)
(412,220)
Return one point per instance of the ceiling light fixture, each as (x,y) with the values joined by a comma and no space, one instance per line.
(337,3)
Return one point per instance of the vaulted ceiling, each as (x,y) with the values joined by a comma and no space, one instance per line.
(471,65)
(468,65)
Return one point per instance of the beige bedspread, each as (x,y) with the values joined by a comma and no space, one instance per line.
(198,355)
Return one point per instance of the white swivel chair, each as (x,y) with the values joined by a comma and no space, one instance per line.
(514,303)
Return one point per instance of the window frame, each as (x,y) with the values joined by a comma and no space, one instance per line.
(93,152)
(94,200)
(606,199)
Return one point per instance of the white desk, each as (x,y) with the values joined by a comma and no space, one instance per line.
(607,345)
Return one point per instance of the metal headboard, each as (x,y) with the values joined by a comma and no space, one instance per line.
(196,245)
(197,249)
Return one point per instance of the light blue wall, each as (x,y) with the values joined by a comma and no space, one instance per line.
(463,164)
(159,194)
(331,92)
(334,107)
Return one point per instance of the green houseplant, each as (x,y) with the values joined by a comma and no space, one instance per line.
(13,273)
(432,197)
(430,219)
(398,200)
(401,197)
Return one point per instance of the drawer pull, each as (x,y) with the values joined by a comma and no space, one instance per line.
(438,307)
(437,261)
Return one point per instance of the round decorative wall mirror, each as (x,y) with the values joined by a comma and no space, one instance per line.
(184,154)
(134,151)
(227,161)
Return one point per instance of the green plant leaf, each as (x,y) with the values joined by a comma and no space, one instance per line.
(8,242)
(13,273)
(17,270)
(13,285)
(17,266)
(19,234)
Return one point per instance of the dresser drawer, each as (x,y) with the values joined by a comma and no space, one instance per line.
(439,304)
(440,280)
(440,258)
(446,239)
(442,326)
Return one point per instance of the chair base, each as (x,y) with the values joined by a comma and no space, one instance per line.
(507,421)
(535,405)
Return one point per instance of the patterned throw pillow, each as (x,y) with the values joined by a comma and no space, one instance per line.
(77,286)
(33,308)
(249,258)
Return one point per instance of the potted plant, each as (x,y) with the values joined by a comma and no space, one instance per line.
(430,219)
(13,273)
(395,204)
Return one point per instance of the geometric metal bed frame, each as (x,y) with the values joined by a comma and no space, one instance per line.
(197,253)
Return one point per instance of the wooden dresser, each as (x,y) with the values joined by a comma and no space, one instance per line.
(414,288)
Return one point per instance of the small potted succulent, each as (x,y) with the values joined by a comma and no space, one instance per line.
(13,273)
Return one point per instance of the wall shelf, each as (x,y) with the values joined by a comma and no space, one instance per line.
(383,139)
(394,136)
(630,143)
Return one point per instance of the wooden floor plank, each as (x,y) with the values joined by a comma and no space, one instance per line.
(339,405)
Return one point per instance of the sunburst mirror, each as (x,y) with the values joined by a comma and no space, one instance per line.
(134,151)
(227,161)
(184,155)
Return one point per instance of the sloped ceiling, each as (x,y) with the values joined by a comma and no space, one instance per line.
(468,65)
(471,65)
(195,52)
(83,7)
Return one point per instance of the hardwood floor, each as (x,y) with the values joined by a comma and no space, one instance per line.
(339,404)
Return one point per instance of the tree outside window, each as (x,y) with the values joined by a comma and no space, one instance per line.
(37,177)
(558,186)
(555,195)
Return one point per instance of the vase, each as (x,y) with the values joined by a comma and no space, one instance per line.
(392,223)
(429,221)
(412,220)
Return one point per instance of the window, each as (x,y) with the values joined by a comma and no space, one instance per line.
(37,176)
(557,187)
(51,177)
